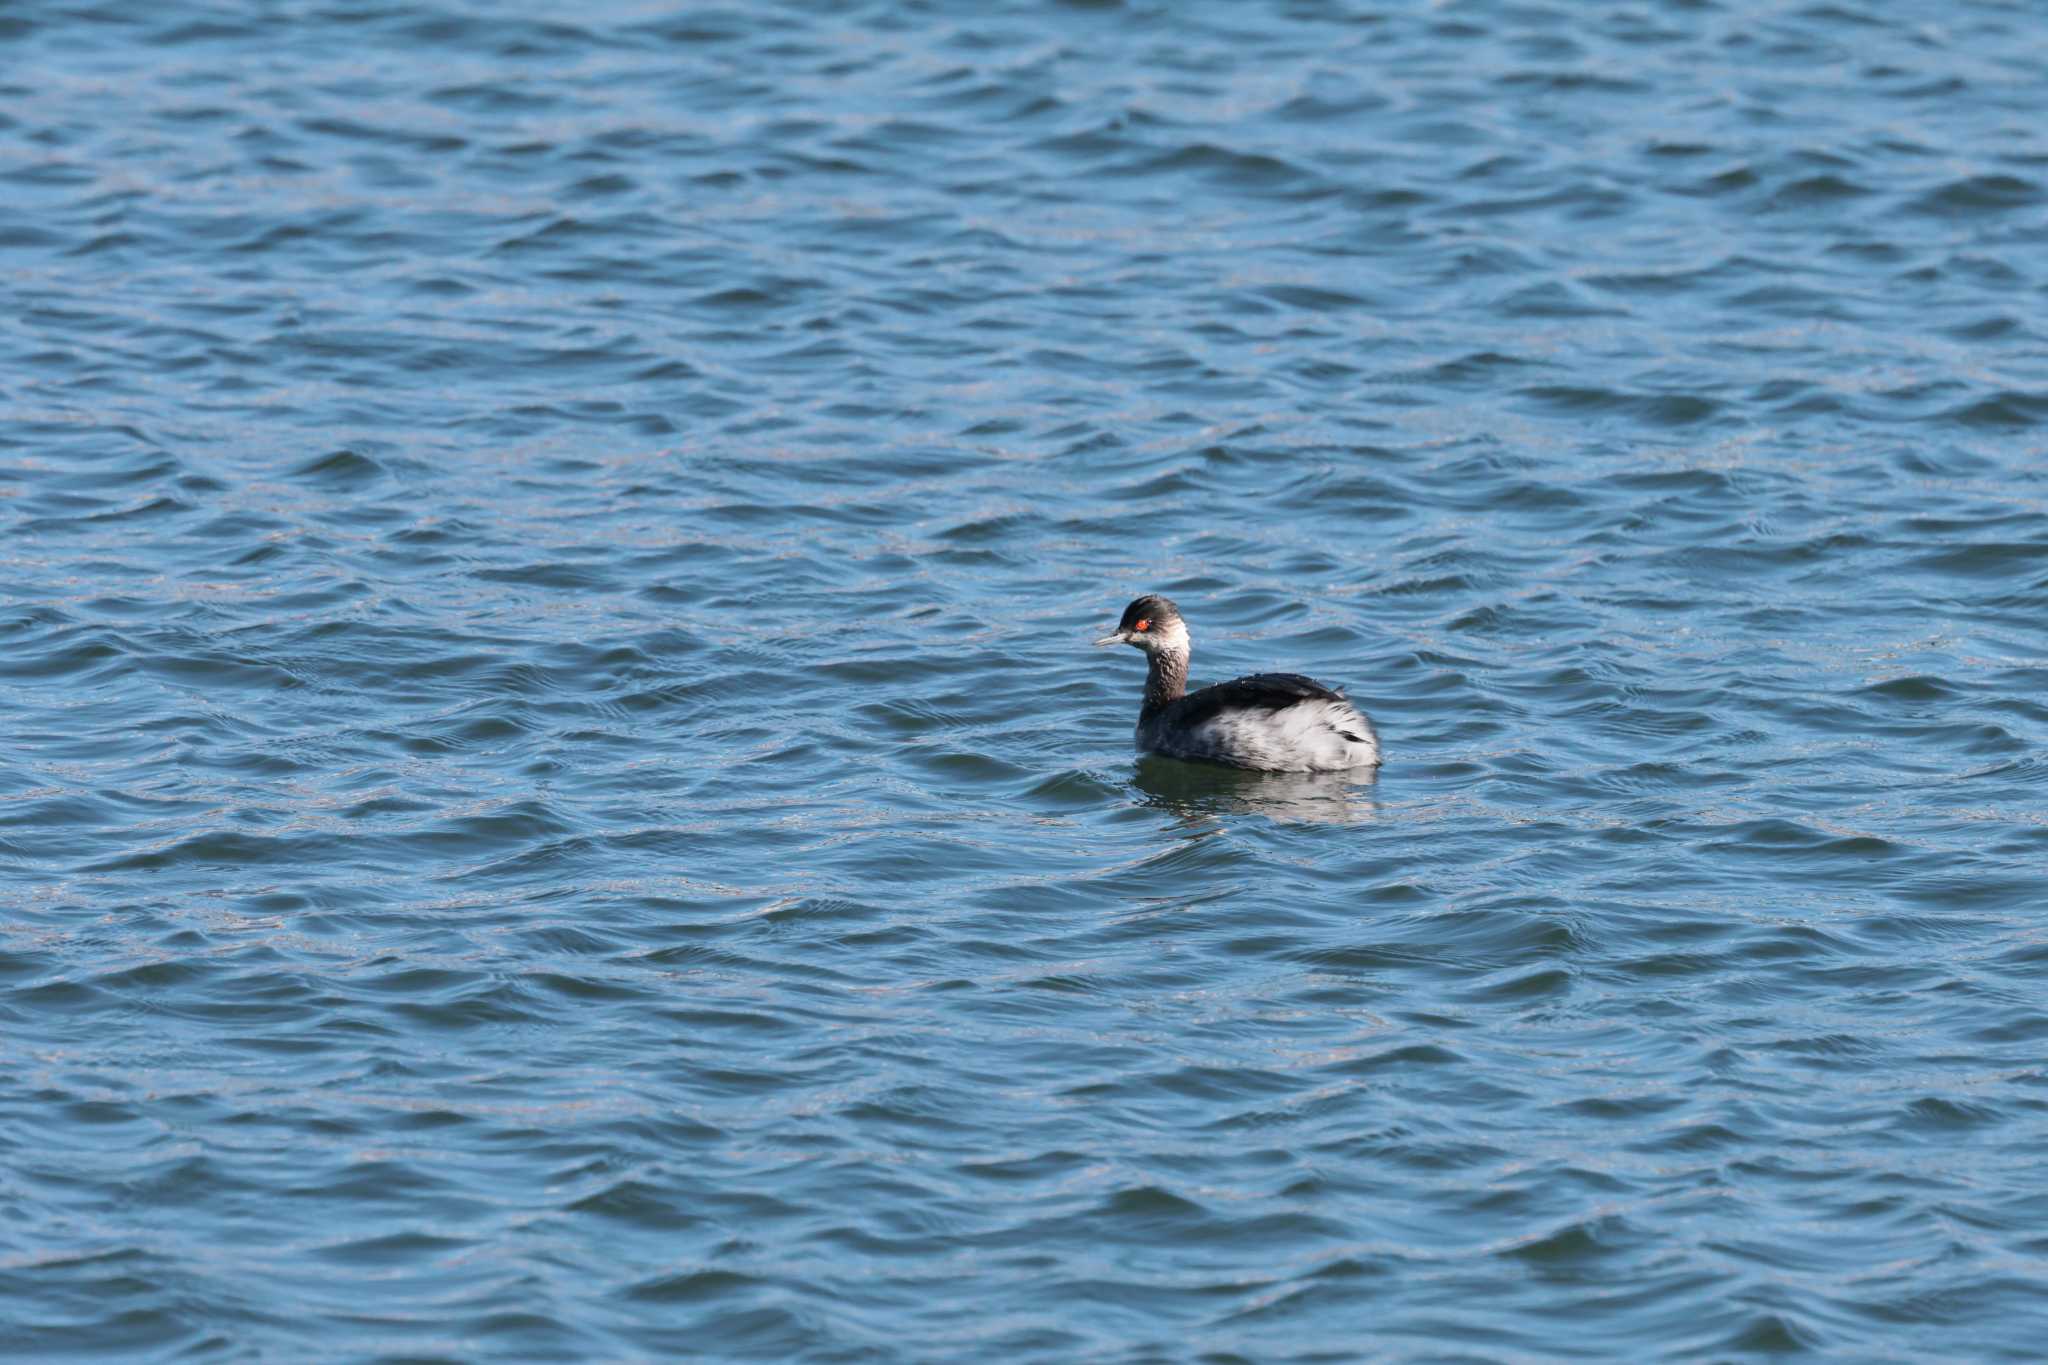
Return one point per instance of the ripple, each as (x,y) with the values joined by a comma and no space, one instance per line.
(1979,194)
(342,470)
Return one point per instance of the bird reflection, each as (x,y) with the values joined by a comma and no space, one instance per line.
(1195,790)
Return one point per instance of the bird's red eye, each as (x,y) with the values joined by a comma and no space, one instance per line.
(1145,624)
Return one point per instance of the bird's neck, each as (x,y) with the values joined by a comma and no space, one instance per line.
(1166,677)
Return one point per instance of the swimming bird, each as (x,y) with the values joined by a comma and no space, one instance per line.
(1280,722)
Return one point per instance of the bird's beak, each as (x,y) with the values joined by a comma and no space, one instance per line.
(1115,638)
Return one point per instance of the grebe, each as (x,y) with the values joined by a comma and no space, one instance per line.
(1280,722)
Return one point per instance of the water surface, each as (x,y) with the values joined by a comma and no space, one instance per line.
(558,803)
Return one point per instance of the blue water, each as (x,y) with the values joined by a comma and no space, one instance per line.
(557,802)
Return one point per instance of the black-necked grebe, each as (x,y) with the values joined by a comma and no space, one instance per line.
(1281,722)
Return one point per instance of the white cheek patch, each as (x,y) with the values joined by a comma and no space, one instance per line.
(1167,635)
